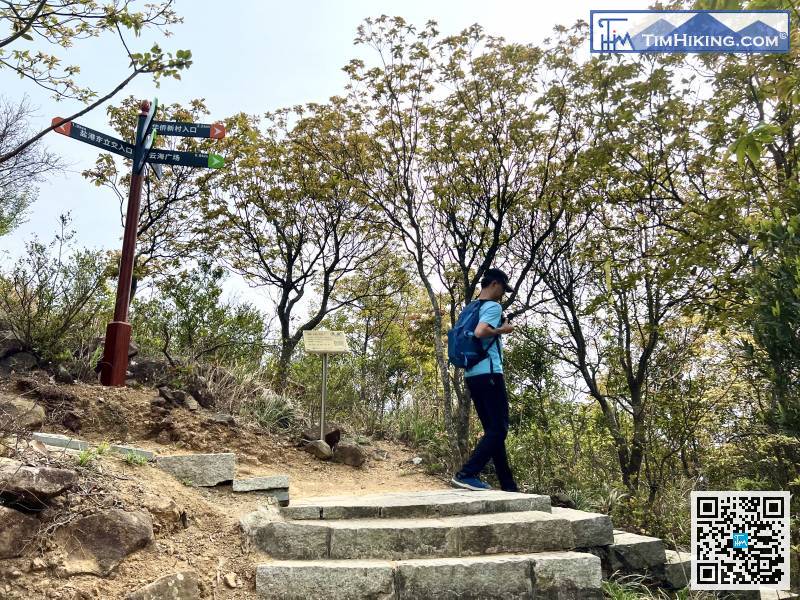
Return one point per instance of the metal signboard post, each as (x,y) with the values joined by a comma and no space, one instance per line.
(114,365)
(324,342)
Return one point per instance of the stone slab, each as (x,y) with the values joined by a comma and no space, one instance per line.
(125,450)
(589,529)
(436,503)
(397,539)
(203,470)
(178,586)
(547,575)
(331,580)
(254,484)
(633,553)
(60,441)
(677,569)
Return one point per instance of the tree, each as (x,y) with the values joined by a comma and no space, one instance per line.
(19,174)
(285,221)
(58,24)
(185,318)
(171,229)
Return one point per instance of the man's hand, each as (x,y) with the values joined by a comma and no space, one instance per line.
(506,327)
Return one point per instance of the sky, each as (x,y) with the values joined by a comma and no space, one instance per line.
(249,55)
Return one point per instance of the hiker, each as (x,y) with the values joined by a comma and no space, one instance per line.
(484,379)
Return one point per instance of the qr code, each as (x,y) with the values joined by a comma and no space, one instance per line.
(740,540)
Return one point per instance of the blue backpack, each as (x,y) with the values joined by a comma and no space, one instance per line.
(464,350)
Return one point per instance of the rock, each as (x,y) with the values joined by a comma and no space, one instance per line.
(20,412)
(255,484)
(38,564)
(561,499)
(222,419)
(133,349)
(169,396)
(18,362)
(333,434)
(72,421)
(167,515)
(230,580)
(191,403)
(9,344)
(199,388)
(98,543)
(677,569)
(148,371)
(363,440)
(17,531)
(379,454)
(417,460)
(200,469)
(32,487)
(62,375)
(319,449)
(178,586)
(349,454)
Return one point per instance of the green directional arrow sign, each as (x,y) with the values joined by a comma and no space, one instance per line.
(185,159)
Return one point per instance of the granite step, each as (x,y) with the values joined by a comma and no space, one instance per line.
(633,553)
(438,503)
(399,539)
(563,575)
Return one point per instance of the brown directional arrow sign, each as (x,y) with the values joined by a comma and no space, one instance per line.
(95,138)
(185,159)
(214,131)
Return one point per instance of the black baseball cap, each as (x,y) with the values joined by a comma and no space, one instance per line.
(497,275)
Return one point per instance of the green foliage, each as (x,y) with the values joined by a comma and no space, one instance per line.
(55,297)
(273,412)
(135,460)
(85,458)
(186,318)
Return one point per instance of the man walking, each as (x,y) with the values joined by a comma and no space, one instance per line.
(488,390)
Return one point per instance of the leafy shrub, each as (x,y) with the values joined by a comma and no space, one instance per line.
(54,298)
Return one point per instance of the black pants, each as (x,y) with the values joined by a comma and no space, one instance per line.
(491,403)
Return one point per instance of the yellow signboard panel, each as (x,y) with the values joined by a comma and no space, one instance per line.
(321,341)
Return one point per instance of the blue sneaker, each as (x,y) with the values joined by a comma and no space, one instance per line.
(470,483)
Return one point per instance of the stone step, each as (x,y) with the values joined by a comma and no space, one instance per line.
(633,553)
(564,575)
(589,529)
(677,569)
(438,503)
(398,539)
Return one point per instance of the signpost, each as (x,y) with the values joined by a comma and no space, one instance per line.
(324,342)
(114,365)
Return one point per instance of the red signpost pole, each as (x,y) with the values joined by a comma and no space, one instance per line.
(114,366)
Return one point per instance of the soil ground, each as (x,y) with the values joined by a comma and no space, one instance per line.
(211,544)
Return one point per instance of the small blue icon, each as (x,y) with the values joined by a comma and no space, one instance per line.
(740,540)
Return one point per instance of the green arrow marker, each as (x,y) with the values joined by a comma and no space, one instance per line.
(215,161)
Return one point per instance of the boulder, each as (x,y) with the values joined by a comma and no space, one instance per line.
(18,362)
(32,487)
(20,412)
(148,371)
(222,418)
(62,375)
(319,449)
(200,469)
(178,586)
(98,543)
(133,349)
(349,454)
(190,403)
(199,388)
(165,511)
(333,433)
(17,530)
(9,343)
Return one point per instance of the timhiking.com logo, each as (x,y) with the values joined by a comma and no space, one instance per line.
(689,31)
